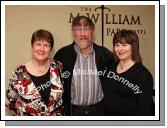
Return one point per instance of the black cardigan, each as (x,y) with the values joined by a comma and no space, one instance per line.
(67,56)
(128,93)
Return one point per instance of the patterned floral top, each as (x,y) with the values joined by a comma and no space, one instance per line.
(23,98)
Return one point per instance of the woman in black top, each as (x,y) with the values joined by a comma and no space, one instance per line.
(129,85)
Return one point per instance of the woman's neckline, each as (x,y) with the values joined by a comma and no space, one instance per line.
(122,69)
(37,72)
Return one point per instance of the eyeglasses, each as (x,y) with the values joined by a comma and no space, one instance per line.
(80,29)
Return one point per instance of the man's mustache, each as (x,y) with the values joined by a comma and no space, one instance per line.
(83,38)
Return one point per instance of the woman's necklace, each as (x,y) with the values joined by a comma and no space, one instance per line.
(122,67)
(40,70)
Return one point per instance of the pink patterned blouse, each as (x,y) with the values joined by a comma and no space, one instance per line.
(23,98)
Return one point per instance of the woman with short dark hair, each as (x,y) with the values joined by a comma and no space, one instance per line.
(35,88)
